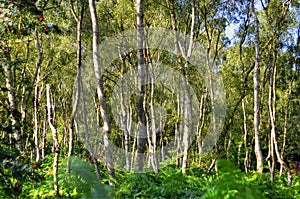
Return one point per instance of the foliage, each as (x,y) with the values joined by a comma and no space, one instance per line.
(227,182)
(15,170)
(48,26)
(168,183)
(81,182)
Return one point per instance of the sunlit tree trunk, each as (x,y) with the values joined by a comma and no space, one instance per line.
(55,141)
(36,128)
(152,137)
(85,124)
(178,133)
(43,138)
(142,133)
(186,54)
(258,152)
(246,160)
(200,126)
(12,102)
(103,108)
(272,111)
(271,106)
(286,117)
(161,122)
(124,122)
(152,118)
(78,17)
(36,97)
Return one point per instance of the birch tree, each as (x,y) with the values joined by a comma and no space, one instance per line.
(11,99)
(56,147)
(258,152)
(101,98)
(78,18)
(142,133)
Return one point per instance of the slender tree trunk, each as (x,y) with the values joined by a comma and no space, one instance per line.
(153,153)
(161,122)
(124,118)
(133,148)
(142,133)
(77,92)
(201,125)
(178,135)
(55,142)
(126,134)
(228,146)
(272,111)
(246,160)
(187,129)
(187,111)
(43,138)
(12,102)
(36,96)
(85,124)
(36,128)
(151,122)
(286,117)
(178,132)
(212,39)
(103,108)
(258,152)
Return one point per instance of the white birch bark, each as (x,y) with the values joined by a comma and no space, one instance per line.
(258,152)
(12,102)
(141,135)
(78,19)
(103,108)
(55,141)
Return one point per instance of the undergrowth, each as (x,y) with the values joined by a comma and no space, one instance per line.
(228,182)
(81,182)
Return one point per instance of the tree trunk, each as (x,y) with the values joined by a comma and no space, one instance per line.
(201,123)
(85,124)
(153,153)
(187,111)
(101,98)
(246,160)
(142,133)
(258,152)
(124,117)
(272,111)
(151,121)
(36,128)
(178,135)
(77,92)
(43,139)
(55,142)
(12,102)
(286,117)
(36,96)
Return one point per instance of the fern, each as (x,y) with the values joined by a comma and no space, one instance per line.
(87,182)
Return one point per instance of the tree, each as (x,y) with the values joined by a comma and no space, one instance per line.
(258,153)
(56,148)
(79,19)
(101,97)
(141,136)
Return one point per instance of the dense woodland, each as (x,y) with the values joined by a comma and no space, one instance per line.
(94,105)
